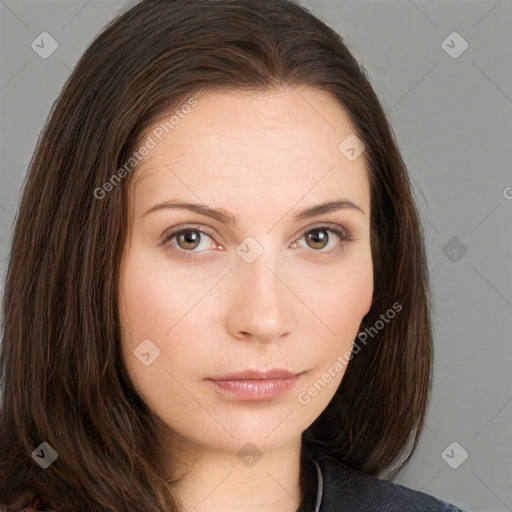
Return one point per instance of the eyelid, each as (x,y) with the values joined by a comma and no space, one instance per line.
(344,234)
(328,226)
(169,233)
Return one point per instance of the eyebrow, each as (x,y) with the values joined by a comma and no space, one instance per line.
(221,215)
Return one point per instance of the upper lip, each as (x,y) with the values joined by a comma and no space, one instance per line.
(273,373)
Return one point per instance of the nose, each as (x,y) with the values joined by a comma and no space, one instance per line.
(261,306)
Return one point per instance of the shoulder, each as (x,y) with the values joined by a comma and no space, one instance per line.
(346,489)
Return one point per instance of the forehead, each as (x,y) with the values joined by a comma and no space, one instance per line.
(241,146)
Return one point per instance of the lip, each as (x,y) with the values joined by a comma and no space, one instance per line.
(273,373)
(254,385)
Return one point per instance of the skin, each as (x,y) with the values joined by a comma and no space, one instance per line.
(262,157)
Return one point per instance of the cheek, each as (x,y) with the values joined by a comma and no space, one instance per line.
(163,305)
(354,299)
(152,301)
(346,299)
(148,310)
(342,297)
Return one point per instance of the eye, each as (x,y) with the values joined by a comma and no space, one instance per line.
(185,241)
(190,242)
(318,238)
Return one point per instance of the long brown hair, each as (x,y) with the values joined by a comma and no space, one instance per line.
(61,368)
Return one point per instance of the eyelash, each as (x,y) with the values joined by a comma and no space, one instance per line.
(342,233)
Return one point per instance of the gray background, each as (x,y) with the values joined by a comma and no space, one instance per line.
(452,118)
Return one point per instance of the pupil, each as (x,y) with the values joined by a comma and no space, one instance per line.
(190,237)
(319,237)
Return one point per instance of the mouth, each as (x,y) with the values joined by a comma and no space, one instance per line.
(254,385)
(249,374)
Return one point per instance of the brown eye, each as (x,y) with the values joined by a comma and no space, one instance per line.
(188,242)
(322,239)
(188,239)
(317,238)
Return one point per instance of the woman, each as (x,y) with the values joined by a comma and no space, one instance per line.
(217,295)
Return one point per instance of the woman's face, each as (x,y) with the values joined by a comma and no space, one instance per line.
(257,279)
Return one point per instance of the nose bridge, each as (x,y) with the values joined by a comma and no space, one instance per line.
(261,305)
(259,276)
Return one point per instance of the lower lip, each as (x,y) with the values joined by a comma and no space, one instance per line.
(255,389)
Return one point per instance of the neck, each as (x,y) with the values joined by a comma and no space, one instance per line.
(208,480)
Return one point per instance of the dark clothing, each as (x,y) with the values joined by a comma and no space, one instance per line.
(330,486)
(346,490)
